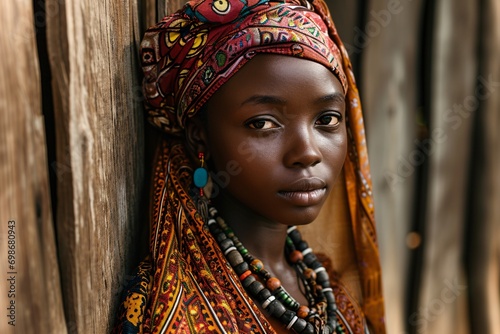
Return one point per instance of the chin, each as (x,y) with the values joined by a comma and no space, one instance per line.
(303,216)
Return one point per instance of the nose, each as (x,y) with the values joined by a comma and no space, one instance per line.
(302,149)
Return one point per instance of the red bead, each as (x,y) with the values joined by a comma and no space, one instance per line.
(303,311)
(273,283)
(245,275)
(309,274)
(296,256)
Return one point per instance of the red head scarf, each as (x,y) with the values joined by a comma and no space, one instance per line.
(190,54)
(186,285)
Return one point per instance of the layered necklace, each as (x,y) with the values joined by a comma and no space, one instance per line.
(319,316)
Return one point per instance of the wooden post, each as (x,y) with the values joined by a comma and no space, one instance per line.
(391,111)
(93,50)
(483,239)
(29,277)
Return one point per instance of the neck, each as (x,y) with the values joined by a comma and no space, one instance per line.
(263,238)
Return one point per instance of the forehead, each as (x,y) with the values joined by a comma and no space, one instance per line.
(281,76)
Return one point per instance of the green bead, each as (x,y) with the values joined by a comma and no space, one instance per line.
(200,177)
(281,294)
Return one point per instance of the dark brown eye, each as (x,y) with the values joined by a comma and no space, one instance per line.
(261,124)
(328,119)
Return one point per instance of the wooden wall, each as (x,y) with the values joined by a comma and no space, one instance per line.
(390,81)
(71,264)
(92,47)
(30,282)
(430,121)
(420,66)
(101,211)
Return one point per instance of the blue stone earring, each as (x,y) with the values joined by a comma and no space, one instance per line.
(200,176)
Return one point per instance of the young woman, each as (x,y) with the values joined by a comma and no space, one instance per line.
(261,115)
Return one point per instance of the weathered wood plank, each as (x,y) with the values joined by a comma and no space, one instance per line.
(389,42)
(162,8)
(30,283)
(173,5)
(99,131)
(443,295)
(483,251)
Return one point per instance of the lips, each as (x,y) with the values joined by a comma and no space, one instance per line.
(304,192)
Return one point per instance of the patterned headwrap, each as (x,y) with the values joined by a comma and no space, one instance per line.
(190,54)
(186,285)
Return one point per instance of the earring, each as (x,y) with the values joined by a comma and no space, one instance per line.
(200,176)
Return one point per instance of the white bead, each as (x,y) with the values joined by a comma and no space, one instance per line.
(307,251)
(229,250)
(268,301)
(292,322)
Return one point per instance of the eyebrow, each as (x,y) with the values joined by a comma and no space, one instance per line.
(335,97)
(269,99)
(264,99)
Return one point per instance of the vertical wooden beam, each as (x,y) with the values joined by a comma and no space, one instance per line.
(29,278)
(172,6)
(389,41)
(483,237)
(443,296)
(99,132)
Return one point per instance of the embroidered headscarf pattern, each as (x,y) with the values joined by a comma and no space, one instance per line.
(187,56)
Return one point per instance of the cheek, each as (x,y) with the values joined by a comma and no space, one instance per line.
(234,145)
(242,165)
(335,152)
(224,147)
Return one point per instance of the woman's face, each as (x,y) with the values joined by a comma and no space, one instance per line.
(276,136)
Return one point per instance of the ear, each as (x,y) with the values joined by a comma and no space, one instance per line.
(196,137)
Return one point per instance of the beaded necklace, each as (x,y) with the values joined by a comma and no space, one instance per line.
(319,317)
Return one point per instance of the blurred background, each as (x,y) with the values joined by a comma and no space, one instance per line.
(73,151)
(429,77)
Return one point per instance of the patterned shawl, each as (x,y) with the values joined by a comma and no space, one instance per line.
(186,285)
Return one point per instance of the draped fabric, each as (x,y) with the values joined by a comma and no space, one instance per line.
(186,285)
(189,287)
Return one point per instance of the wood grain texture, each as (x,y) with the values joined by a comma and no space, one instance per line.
(483,253)
(455,39)
(149,11)
(389,42)
(25,194)
(174,5)
(165,7)
(93,50)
